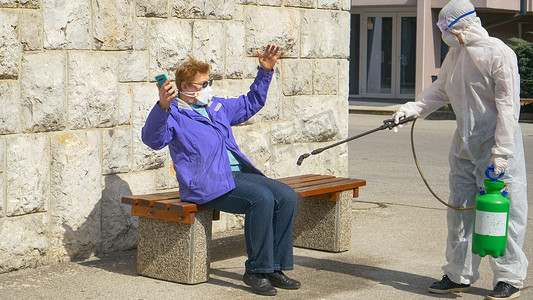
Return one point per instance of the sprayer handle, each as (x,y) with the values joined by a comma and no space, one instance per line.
(491,169)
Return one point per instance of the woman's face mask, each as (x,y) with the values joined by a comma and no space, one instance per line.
(203,97)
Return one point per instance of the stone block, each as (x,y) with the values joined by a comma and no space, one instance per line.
(141,34)
(170,45)
(272,108)
(301,3)
(113,24)
(3,180)
(344,80)
(234,50)
(125,103)
(10,50)
(43,92)
(287,155)
(2,155)
(133,66)
(231,88)
(23,242)
(325,34)
(254,142)
(119,227)
(239,13)
(145,96)
(248,2)
(329,4)
(173,251)
(264,25)
(20,3)
(116,150)
(325,77)
(93,90)
(228,222)
(297,77)
(67,24)
(317,119)
(75,194)
(208,46)
(151,8)
(250,67)
(346,5)
(343,117)
(31,34)
(166,176)
(269,2)
(9,110)
(324,225)
(202,9)
(28,174)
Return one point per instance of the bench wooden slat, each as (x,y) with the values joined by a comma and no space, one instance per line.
(148,199)
(330,187)
(164,204)
(185,207)
(318,182)
(305,179)
(297,177)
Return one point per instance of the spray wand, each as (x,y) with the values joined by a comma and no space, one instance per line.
(387,124)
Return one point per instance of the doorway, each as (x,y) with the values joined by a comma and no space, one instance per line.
(387,68)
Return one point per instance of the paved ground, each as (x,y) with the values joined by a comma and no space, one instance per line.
(398,238)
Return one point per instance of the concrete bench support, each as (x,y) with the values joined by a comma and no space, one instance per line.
(174,251)
(324,225)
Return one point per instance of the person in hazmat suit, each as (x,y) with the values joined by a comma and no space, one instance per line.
(479,78)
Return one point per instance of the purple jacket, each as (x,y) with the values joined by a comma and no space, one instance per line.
(198,146)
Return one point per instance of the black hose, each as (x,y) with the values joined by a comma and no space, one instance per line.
(424,178)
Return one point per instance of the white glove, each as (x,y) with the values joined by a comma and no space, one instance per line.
(396,117)
(499,162)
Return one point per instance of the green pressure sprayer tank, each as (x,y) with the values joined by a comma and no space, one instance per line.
(491,218)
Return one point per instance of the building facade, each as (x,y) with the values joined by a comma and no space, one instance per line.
(396,49)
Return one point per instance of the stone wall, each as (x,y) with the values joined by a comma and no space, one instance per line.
(77,82)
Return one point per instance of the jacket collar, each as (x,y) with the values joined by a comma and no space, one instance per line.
(183,104)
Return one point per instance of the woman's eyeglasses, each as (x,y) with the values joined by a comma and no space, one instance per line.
(204,84)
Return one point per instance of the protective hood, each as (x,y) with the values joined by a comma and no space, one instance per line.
(456,9)
(473,33)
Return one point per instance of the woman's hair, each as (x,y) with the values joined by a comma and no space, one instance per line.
(188,70)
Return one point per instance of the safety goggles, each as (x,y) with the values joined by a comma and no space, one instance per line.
(445,25)
(204,84)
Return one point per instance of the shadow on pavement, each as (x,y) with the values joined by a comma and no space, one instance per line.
(412,283)
(120,262)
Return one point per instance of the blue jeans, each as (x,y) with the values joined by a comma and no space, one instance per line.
(269,207)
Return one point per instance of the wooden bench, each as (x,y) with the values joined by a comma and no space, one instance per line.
(174,236)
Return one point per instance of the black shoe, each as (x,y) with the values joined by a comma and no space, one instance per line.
(259,283)
(446,286)
(504,290)
(280,280)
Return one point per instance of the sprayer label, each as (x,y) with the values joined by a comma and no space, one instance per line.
(491,223)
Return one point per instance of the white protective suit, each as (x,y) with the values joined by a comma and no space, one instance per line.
(480,79)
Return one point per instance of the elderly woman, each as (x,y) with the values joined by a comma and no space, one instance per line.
(212,170)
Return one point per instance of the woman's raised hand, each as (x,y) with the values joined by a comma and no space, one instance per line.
(268,60)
